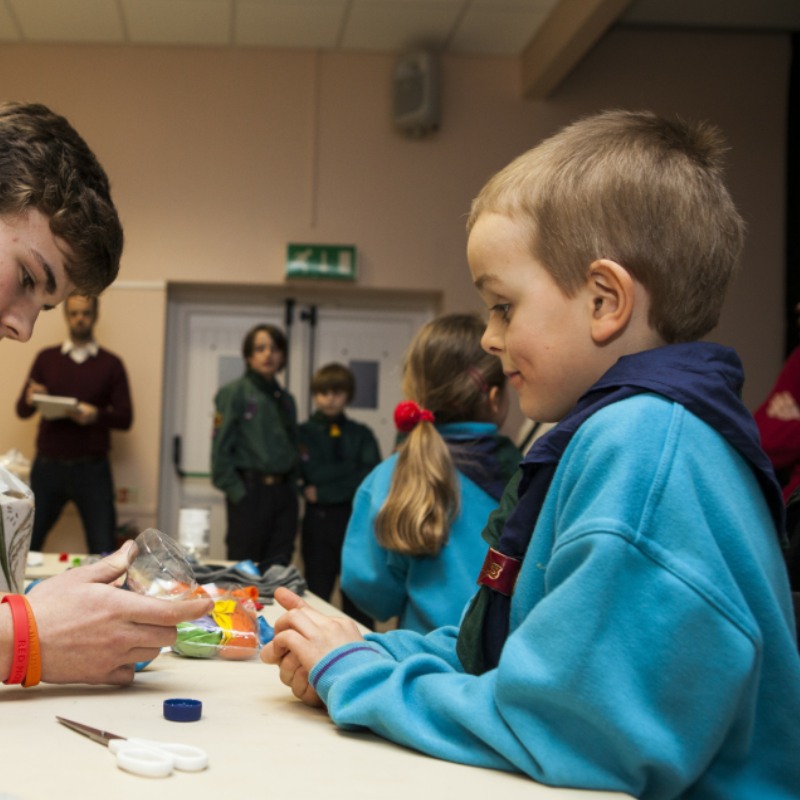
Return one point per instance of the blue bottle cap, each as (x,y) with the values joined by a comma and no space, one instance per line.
(182,709)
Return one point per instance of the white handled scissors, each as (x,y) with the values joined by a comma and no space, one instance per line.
(143,756)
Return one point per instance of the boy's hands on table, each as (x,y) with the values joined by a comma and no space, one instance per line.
(302,637)
(93,632)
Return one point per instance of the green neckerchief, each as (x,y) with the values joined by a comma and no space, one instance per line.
(271,388)
(469,647)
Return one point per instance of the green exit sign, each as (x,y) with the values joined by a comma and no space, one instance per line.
(321,261)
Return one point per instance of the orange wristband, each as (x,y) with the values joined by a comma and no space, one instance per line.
(19,659)
(34,673)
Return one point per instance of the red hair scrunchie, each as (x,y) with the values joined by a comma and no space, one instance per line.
(407,414)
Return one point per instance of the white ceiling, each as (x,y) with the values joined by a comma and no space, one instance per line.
(464,27)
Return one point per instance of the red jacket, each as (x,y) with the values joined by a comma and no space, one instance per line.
(781,438)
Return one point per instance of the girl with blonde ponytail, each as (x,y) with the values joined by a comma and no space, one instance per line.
(413,548)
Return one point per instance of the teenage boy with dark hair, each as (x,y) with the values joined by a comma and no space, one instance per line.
(60,234)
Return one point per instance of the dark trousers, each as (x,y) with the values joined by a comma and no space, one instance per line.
(263,525)
(88,484)
(324,527)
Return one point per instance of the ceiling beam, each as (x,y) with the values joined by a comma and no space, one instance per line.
(569,32)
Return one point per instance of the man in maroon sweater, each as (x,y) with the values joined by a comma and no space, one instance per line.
(72,451)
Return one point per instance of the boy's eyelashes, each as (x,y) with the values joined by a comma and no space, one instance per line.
(500,308)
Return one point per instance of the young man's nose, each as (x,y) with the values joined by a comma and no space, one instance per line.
(18,325)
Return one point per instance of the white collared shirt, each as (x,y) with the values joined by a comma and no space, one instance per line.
(79,353)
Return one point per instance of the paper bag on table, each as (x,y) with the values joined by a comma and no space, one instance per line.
(16,527)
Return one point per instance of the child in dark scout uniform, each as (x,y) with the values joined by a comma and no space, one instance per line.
(337,453)
(633,630)
(254,456)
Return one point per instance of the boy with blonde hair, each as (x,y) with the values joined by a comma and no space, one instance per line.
(633,630)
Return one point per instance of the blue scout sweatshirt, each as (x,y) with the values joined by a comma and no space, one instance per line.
(651,647)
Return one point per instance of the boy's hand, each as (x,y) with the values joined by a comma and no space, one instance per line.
(302,637)
(310,493)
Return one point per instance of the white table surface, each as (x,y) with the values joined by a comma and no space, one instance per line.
(261,743)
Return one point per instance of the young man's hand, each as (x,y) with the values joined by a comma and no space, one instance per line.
(302,637)
(93,632)
(34,388)
(84,414)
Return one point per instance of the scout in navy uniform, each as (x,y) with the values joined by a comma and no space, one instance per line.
(254,456)
(337,454)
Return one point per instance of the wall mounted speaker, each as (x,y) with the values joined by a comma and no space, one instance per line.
(415,102)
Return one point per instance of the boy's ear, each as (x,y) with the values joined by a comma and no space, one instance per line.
(611,294)
(495,398)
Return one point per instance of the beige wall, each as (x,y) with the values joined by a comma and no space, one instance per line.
(220,157)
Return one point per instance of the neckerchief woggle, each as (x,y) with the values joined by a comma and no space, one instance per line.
(703,377)
(333,427)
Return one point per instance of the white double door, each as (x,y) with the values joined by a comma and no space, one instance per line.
(204,353)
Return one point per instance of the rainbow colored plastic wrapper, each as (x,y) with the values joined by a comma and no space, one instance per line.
(160,567)
(233,629)
(199,638)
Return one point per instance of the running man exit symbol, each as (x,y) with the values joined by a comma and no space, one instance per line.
(321,261)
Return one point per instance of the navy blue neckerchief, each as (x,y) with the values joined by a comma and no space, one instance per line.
(476,456)
(705,378)
(483,457)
